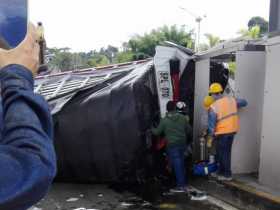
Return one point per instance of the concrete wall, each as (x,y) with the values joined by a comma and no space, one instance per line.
(269,173)
(202,77)
(249,84)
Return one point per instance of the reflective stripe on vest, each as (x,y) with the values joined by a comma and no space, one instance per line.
(227,118)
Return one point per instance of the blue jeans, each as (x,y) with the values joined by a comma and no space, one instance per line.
(177,159)
(224,154)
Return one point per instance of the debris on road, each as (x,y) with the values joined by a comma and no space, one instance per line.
(167,193)
(136,203)
(198,196)
(72,199)
(124,204)
(35,208)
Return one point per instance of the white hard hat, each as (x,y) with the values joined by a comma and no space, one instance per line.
(180,105)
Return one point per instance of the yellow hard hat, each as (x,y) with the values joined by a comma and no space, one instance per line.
(216,88)
(208,101)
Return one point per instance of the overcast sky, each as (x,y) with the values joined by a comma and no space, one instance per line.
(83,25)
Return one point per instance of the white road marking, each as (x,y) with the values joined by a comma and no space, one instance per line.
(220,203)
(217,202)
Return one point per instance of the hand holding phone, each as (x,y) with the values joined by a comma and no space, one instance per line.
(13,29)
(26,54)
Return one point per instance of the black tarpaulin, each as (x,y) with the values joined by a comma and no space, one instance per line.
(100,131)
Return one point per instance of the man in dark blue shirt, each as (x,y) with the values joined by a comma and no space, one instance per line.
(27,157)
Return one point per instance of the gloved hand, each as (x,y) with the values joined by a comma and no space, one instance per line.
(209,141)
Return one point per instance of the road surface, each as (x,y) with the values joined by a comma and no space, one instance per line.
(101,197)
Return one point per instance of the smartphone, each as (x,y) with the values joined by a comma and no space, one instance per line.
(13,22)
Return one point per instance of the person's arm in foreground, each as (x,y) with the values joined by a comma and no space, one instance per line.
(27,157)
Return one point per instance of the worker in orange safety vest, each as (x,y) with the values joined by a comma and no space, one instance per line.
(223,124)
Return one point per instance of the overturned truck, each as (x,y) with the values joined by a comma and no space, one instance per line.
(102,116)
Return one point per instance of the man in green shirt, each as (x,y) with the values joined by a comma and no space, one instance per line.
(175,128)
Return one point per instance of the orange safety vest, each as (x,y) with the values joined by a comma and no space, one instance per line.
(227,117)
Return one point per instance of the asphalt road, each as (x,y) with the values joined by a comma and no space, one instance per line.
(101,197)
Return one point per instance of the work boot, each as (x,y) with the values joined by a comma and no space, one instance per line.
(179,190)
(214,175)
(190,189)
(198,196)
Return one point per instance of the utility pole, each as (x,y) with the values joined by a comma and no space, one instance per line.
(274,18)
(198,20)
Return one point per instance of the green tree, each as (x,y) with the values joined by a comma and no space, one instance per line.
(61,59)
(258,21)
(64,60)
(110,52)
(123,57)
(212,40)
(98,60)
(203,47)
(253,32)
(137,48)
(146,44)
(257,27)
(232,68)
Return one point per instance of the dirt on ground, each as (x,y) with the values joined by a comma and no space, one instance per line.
(102,197)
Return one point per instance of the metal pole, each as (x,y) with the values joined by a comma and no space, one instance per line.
(198,20)
(196,41)
(202,148)
(198,36)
